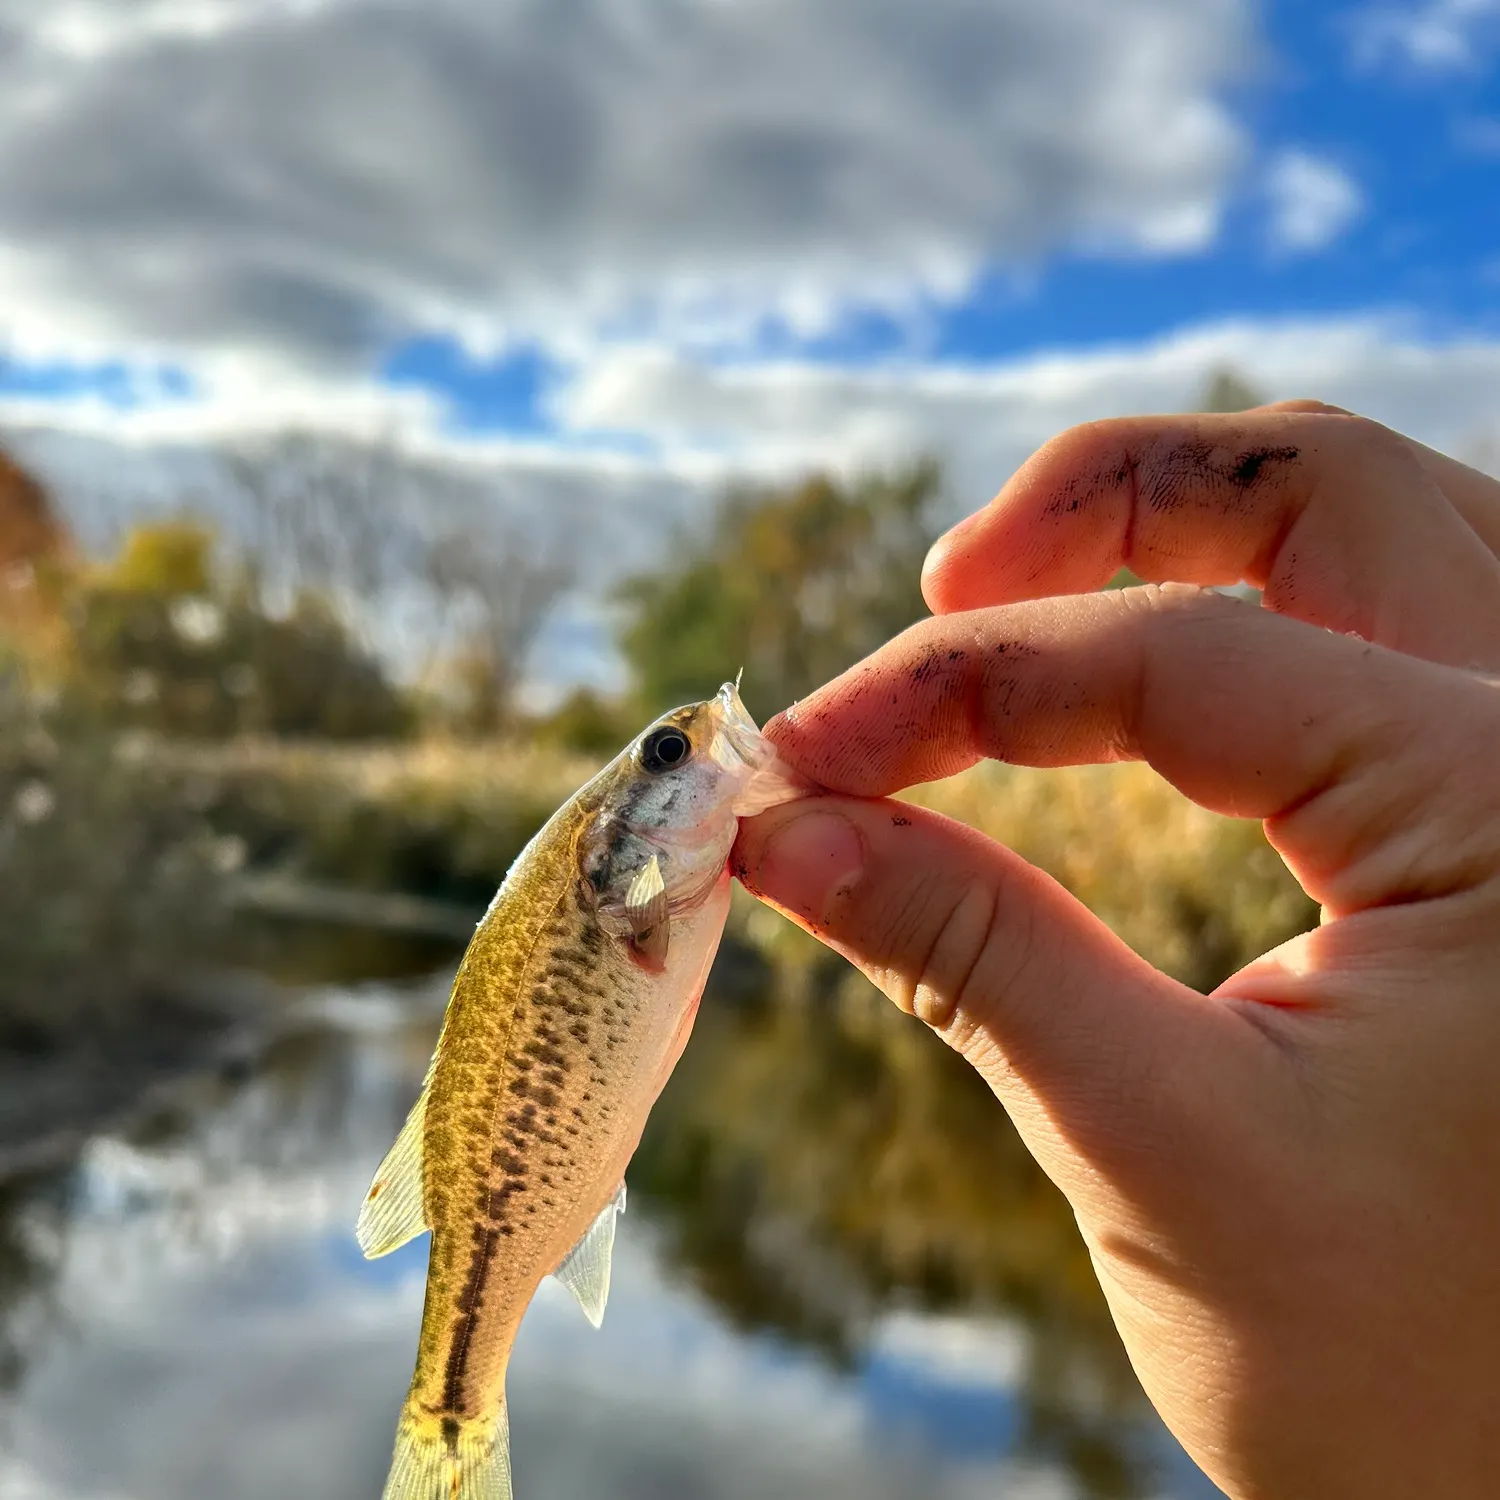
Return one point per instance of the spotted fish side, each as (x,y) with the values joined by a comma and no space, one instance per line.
(557,1041)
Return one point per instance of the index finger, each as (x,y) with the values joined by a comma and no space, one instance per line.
(1246,712)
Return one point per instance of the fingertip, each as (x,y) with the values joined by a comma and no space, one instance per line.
(944,567)
(801,857)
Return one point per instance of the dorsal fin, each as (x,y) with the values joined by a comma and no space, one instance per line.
(394,1211)
(585,1269)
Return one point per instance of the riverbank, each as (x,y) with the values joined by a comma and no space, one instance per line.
(313,862)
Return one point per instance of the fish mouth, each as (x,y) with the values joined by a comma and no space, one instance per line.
(740,747)
(735,731)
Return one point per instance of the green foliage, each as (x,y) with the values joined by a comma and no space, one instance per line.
(161,641)
(1228,391)
(792,584)
(588,724)
(441,821)
(108,874)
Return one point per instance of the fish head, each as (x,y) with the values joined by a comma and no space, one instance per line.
(677,794)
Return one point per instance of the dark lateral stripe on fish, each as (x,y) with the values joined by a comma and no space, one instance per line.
(487,1239)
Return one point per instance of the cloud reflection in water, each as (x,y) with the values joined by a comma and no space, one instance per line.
(220,1335)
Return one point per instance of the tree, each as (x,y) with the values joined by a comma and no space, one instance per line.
(36,557)
(791,584)
(414,559)
(491,599)
(162,640)
(1228,391)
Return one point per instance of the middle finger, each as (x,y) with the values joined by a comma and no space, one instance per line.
(1332,516)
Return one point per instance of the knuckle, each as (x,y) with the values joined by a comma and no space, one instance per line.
(967,950)
(1308,407)
(951,967)
(1088,447)
(1375,443)
(932,937)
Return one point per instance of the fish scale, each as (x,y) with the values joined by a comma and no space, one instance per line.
(567,1015)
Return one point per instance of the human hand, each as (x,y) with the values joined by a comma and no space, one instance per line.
(1291,1188)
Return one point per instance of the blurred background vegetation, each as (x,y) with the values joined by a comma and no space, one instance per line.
(212,744)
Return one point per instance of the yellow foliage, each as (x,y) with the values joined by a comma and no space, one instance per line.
(1197,894)
(170,558)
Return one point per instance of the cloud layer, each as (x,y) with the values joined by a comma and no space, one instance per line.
(245,189)
(985,419)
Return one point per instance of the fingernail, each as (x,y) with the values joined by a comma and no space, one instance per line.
(808,862)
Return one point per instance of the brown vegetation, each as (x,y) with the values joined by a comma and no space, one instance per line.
(34,549)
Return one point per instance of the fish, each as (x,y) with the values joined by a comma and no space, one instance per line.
(570,1008)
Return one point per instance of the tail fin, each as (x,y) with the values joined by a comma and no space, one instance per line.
(450,1460)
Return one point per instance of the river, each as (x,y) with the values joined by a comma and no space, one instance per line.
(184,1315)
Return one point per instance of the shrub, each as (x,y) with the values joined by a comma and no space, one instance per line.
(160,641)
(109,877)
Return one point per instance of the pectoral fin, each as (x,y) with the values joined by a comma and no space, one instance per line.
(646,911)
(585,1271)
(393,1211)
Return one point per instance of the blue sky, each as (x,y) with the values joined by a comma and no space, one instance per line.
(607,265)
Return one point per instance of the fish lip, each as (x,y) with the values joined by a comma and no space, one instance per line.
(736,730)
(739,745)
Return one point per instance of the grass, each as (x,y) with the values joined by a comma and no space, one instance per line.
(109,877)
(1195,893)
(438,820)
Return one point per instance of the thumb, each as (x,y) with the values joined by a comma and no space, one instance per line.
(1105,1064)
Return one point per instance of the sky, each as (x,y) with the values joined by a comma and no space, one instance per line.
(606,254)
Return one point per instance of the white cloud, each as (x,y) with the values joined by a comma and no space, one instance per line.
(1313,201)
(1479,135)
(252,188)
(985,419)
(87,30)
(1436,36)
(693,424)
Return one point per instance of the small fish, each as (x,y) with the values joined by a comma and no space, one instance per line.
(568,1014)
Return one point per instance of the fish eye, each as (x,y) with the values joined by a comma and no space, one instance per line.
(664,749)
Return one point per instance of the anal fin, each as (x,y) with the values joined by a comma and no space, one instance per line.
(585,1269)
(394,1211)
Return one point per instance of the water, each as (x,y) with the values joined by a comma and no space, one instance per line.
(184,1314)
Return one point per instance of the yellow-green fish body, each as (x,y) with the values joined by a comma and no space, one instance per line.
(568,1013)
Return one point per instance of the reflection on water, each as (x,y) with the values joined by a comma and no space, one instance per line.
(184,1312)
